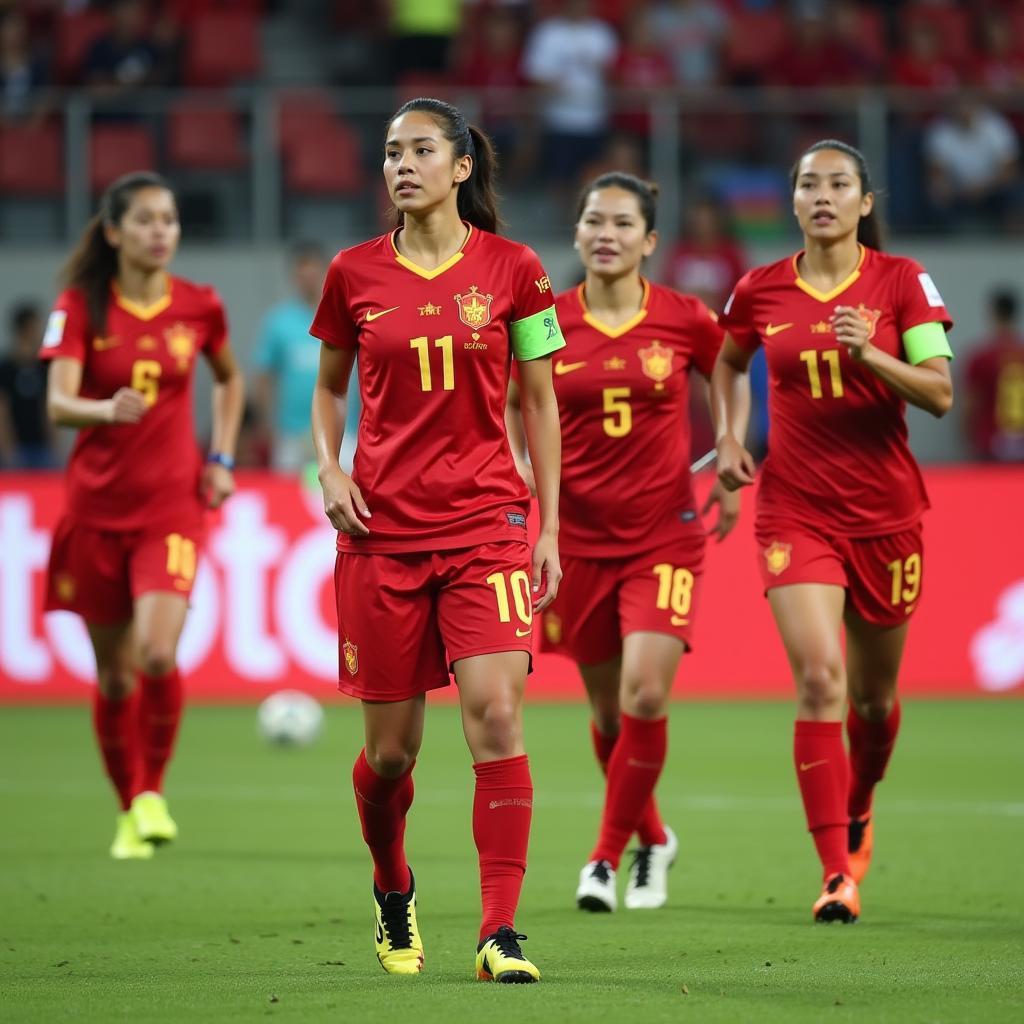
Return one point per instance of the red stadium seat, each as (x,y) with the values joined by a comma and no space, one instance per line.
(327,164)
(204,137)
(222,46)
(31,161)
(116,149)
(75,33)
(952,27)
(303,114)
(414,84)
(753,40)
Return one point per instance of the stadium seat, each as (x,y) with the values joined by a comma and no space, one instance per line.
(205,137)
(221,47)
(116,149)
(952,27)
(753,40)
(413,84)
(75,33)
(31,160)
(303,114)
(327,164)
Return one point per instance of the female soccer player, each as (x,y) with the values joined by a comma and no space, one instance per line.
(632,540)
(434,573)
(851,334)
(123,340)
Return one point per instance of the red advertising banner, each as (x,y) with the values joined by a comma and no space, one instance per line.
(263,615)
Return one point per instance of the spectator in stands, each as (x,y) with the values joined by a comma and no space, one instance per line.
(994,385)
(691,33)
(287,360)
(26,436)
(641,67)
(922,63)
(23,75)
(569,56)
(129,57)
(814,57)
(998,64)
(421,35)
(973,157)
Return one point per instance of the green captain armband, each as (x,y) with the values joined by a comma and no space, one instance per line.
(536,336)
(926,341)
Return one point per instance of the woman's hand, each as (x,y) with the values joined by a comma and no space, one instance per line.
(547,571)
(728,503)
(735,464)
(216,484)
(127,406)
(851,330)
(343,503)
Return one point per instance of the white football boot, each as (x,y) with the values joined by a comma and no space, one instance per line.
(596,891)
(647,888)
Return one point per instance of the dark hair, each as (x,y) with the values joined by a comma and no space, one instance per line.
(1004,305)
(870,231)
(477,197)
(93,263)
(646,193)
(306,249)
(22,314)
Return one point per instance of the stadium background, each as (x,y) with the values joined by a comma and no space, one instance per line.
(267,117)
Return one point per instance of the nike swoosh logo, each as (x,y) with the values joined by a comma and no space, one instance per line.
(524,632)
(380,934)
(806,766)
(102,344)
(561,367)
(678,620)
(371,316)
(771,329)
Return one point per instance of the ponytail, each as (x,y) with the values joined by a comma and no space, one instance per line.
(477,196)
(870,229)
(93,263)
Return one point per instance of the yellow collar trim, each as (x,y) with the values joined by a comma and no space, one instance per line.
(839,288)
(625,328)
(154,309)
(404,261)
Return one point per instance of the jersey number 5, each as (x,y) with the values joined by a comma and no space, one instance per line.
(447,362)
(618,420)
(145,379)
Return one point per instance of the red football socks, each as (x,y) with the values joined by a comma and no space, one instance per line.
(633,772)
(502,810)
(383,805)
(116,726)
(823,772)
(650,829)
(871,746)
(160,702)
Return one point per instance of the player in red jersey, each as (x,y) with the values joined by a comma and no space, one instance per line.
(631,538)
(851,335)
(123,340)
(434,573)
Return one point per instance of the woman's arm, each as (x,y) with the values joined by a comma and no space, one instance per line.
(66,409)
(730,410)
(343,503)
(218,481)
(517,436)
(544,441)
(728,503)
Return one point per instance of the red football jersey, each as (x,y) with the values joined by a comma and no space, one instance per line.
(995,380)
(623,398)
(838,455)
(132,476)
(432,459)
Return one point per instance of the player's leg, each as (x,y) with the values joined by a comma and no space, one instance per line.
(808,617)
(115,722)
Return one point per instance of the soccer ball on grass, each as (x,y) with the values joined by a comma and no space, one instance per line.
(290,718)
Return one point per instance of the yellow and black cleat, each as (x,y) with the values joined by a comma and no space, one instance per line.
(499,958)
(399,946)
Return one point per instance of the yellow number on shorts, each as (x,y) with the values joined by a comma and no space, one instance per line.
(145,378)
(181,557)
(447,362)
(906,579)
(618,421)
(675,588)
(520,583)
(830,356)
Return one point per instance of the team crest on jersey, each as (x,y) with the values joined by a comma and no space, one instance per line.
(552,628)
(474,308)
(65,586)
(656,362)
(181,343)
(351,655)
(870,317)
(777,555)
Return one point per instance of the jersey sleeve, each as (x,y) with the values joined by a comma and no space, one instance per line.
(533,327)
(707,336)
(333,323)
(67,329)
(919,301)
(217,325)
(736,319)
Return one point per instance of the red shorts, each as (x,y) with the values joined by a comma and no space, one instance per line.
(404,620)
(100,573)
(601,600)
(882,576)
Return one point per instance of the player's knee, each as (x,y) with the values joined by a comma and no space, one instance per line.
(606,719)
(821,685)
(115,682)
(156,659)
(876,708)
(390,758)
(500,727)
(644,696)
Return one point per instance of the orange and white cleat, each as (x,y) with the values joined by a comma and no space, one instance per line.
(839,901)
(860,845)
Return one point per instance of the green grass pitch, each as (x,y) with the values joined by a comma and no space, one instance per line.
(261,911)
